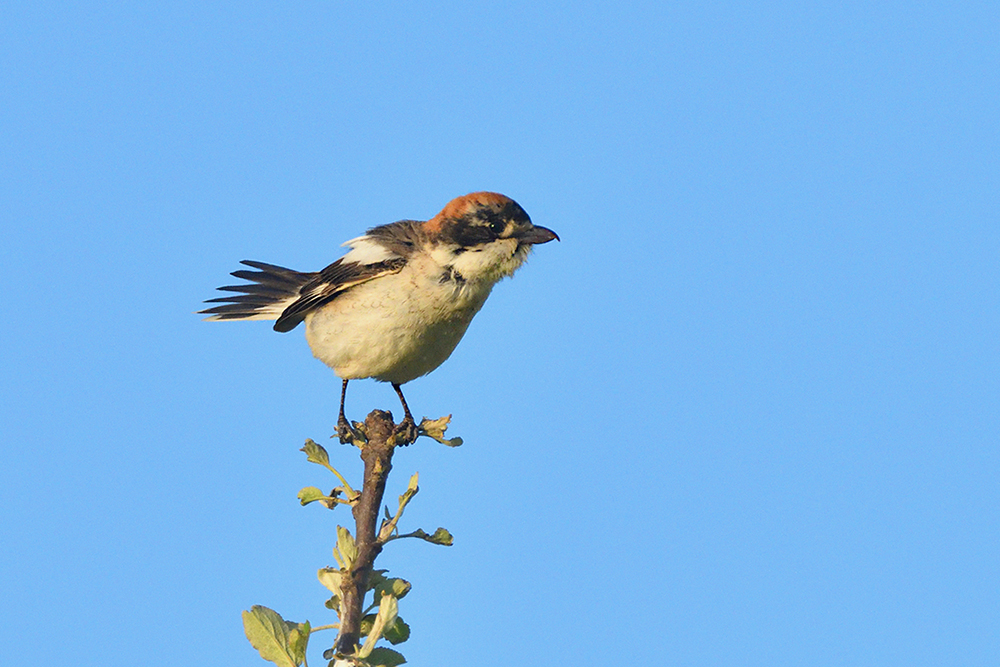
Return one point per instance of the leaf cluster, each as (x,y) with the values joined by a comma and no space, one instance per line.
(284,642)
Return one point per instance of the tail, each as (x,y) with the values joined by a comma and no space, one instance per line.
(270,291)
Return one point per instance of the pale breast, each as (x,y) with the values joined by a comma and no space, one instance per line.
(395,328)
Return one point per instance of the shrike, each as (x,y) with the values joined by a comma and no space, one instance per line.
(396,305)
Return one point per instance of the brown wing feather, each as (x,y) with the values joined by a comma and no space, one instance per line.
(331,282)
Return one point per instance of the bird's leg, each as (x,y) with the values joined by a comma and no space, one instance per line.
(345,432)
(407,429)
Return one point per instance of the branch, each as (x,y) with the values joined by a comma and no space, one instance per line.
(379,431)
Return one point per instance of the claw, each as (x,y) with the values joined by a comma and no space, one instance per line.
(406,432)
(347,434)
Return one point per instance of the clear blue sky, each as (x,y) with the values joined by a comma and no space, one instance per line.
(746,413)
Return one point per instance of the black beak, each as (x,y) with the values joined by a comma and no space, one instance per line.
(535,235)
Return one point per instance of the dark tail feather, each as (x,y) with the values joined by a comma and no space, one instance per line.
(271,289)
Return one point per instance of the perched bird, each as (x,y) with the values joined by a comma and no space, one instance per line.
(396,305)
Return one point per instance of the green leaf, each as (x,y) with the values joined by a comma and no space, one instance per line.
(298,640)
(272,636)
(442,537)
(387,528)
(411,490)
(367,623)
(315,453)
(397,633)
(311,494)
(435,428)
(347,548)
(330,578)
(385,657)
(396,587)
(376,578)
(388,609)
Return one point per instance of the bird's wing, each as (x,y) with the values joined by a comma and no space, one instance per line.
(331,282)
(277,293)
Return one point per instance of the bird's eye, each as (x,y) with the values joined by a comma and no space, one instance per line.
(497,227)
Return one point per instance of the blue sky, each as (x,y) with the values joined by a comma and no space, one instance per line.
(745,413)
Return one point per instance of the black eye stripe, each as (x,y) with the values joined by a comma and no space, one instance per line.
(486,224)
(468,233)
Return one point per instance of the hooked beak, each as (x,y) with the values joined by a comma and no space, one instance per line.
(535,235)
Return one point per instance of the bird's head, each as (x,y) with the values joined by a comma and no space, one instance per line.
(484,236)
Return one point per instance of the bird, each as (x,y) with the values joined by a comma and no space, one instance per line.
(396,305)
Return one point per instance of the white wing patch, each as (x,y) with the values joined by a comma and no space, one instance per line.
(366,251)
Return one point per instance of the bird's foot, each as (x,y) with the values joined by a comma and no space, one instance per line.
(348,434)
(406,432)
